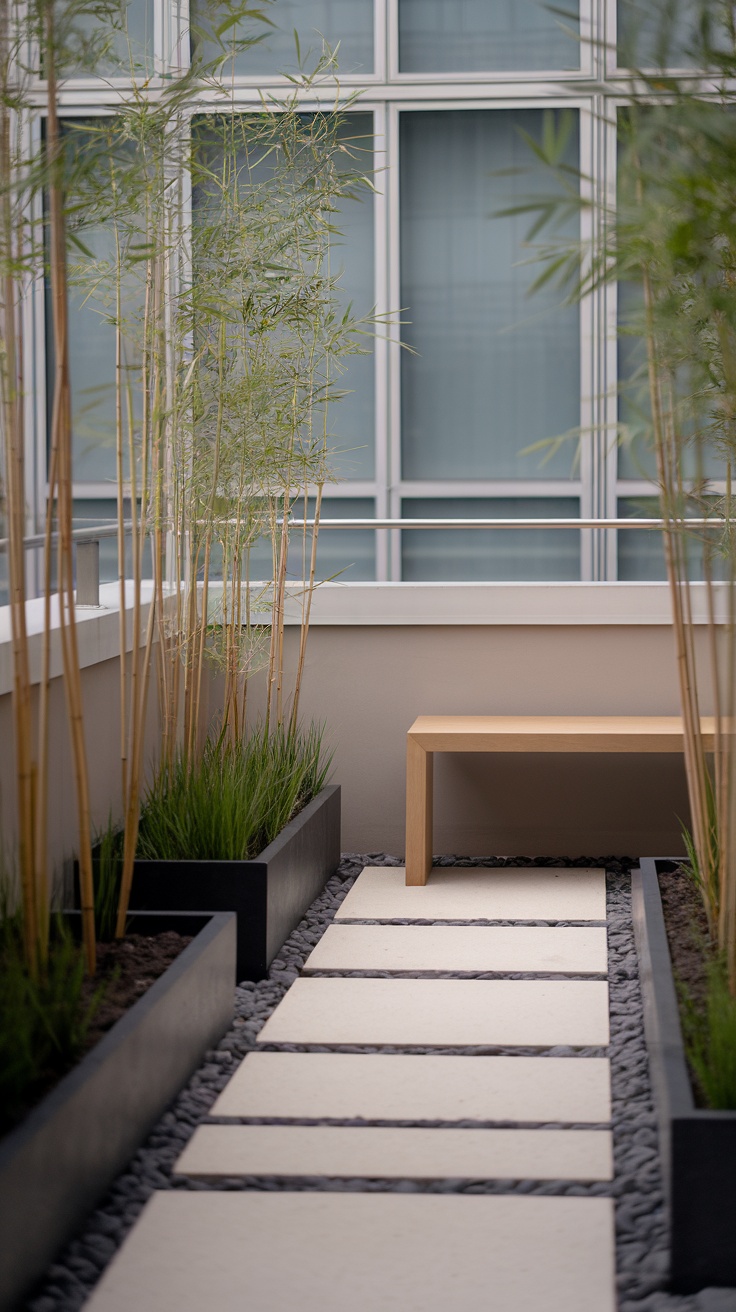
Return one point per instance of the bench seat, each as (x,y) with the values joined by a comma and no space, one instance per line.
(519,733)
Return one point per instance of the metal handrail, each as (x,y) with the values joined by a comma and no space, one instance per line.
(506,523)
(88,539)
(78,535)
(110,530)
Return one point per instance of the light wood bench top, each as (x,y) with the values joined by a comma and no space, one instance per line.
(553,733)
(519,733)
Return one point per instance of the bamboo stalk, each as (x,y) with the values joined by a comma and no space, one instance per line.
(62,436)
(15,496)
(119,462)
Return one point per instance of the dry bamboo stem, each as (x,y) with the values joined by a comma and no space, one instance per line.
(122,635)
(663,447)
(132,815)
(307,609)
(15,479)
(62,438)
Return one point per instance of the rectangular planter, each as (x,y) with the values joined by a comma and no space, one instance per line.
(60,1160)
(269,894)
(698,1147)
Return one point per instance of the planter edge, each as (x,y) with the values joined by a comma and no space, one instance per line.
(270,893)
(59,1161)
(698,1145)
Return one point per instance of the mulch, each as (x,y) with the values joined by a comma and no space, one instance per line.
(687,931)
(126,968)
(689,944)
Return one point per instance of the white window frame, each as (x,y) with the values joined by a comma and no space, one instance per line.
(595,92)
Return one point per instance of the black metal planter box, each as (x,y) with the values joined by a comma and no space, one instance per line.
(270,893)
(60,1160)
(698,1147)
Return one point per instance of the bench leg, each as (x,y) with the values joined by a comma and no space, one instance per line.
(418,813)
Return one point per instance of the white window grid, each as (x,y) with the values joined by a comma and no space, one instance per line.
(595,90)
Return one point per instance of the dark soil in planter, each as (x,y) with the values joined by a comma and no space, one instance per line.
(687,938)
(126,968)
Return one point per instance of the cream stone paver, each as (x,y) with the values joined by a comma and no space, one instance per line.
(404,1087)
(380,893)
(503,948)
(439,1012)
(327,1252)
(380,1152)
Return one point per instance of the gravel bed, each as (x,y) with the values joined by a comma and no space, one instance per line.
(637,1188)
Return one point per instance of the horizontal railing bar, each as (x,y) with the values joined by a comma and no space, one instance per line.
(500,523)
(110,530)
(78,535)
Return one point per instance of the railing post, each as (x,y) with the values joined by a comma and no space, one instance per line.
(88,572)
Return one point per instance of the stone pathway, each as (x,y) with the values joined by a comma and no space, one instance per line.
(513,984)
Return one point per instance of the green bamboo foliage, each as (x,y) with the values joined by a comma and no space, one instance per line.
(26,174)
(271,345)
(229,351)
(672,233)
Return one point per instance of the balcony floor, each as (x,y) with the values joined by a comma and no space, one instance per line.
(414,1125)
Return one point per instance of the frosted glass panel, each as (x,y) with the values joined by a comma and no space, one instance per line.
(495,555)
(348,555)
(92,349)
(496,370)
(129,49)
(349,22)
(657,33)
(351,418)
(636,458)
(456,36)
(641,551)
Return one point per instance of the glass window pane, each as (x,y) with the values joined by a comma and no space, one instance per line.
(641,551)
(127,40)
(351,416)
(494,555)
(345,555)
(352,419)
(92,338)
(658,33)
(495,370)
(347,22)
(636,457)
(457,36)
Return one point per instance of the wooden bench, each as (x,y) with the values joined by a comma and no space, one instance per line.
(518,733)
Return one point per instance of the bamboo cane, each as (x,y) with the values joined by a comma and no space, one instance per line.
(15,492)
(61,422)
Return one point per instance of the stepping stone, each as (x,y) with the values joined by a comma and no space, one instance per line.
(326,1252)
(442,1012)
(399,1087)
(501,948)
(380,893)
(399,1154)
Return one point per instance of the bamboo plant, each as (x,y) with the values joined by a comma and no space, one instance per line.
(228,356)
(672,234)
(25,175)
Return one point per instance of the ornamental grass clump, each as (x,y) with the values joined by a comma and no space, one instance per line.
(234,799)
(710,1037)
(44,1020)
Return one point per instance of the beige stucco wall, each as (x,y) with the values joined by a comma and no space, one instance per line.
(369,683)
(101,697)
